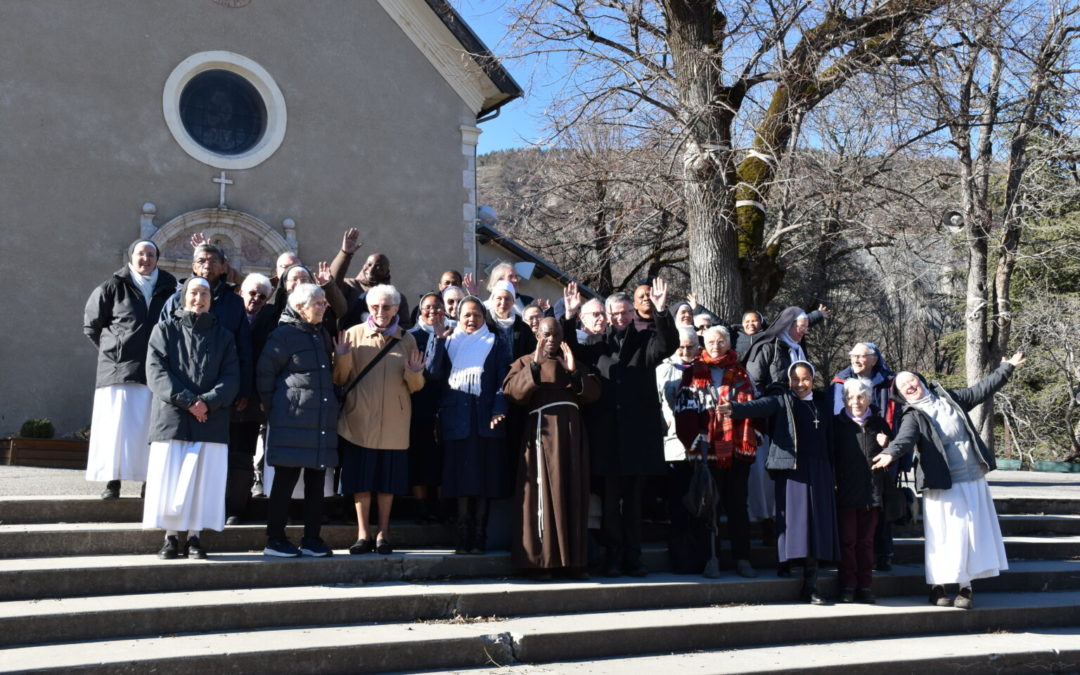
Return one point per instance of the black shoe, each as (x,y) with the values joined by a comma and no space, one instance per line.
(847,594)
(171,549)
(362,546)
(865,596)
(810,594)
(612,571)
(316,548)
(638,571)
(112,490)
(783,570)
(383,547)
(939,598)
(232,520)
(281,548)
(883,565)
(193,548)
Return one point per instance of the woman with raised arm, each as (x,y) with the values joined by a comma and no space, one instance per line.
(960,524)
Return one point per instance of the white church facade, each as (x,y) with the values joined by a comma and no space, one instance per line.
(269,125)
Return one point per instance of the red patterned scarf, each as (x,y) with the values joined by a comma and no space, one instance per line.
(696,420)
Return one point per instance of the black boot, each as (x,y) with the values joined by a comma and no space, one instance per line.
(171,549)
(809,587)
(112,490)
(479,540)
(464,526)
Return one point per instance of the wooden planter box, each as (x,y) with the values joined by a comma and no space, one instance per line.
(48,452)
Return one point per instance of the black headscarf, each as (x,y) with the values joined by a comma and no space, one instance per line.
(782,324)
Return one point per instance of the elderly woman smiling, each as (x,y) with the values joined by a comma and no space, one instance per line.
(963,538)
(380,367)
(118,319)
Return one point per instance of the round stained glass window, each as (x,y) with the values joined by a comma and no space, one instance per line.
(223,112)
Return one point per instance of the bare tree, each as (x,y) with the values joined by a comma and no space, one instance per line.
(726,89)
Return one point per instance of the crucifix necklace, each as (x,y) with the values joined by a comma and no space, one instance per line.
(813,411)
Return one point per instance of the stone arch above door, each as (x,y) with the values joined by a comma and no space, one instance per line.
(250,244)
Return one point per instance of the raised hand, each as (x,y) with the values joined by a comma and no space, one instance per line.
(442,330)
(538,353)
(567,359)
(1016,359)
(341,344)
(323,276)
(468,284)
(416,361)
(825,311)
(692,299)
(658,293)
(571,299)
(543,303)
(198,239)
(351,241)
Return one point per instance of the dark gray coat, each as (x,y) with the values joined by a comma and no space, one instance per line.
(854,448)
(118,322)
(191,357)
(294,378)
(626,426)
(918,432)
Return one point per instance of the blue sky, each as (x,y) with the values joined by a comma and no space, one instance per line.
(517,123)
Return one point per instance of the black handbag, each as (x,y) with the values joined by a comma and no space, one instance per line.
(899,502)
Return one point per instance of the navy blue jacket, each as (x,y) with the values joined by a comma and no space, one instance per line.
(455,421)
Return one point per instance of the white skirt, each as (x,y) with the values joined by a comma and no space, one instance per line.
(761,495)
(185,486)
(963,537)
(119,433)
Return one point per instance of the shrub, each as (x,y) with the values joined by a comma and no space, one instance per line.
(37,428)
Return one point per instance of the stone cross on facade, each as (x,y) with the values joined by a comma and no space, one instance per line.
(222,181)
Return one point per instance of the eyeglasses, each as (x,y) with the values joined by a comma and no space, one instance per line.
(204,261)
(257,294)
(859,357)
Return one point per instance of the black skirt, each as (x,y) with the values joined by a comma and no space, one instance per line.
(369,470)
(425,453)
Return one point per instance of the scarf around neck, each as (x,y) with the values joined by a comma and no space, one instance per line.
(389,330)
(429,347)
(697,423)
(145,284)
(468,352)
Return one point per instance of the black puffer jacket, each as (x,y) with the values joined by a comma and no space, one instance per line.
(854,449)
(294,378)
(917,430)
(191,357)
(118,322)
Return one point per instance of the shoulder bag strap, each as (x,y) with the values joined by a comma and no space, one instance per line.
(371,364)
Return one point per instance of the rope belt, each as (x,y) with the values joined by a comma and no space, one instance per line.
(540,464)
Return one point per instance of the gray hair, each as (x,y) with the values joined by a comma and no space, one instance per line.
(594,301)
(384,291)
(857,386)
(303,294)
(716,329)
(617,297)
(209,248)
(496,274)
(687,333)
(870,347)
(259,281)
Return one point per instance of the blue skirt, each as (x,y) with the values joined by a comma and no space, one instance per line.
(369,470)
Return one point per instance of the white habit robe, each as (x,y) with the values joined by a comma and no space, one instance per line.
(963,537)
(185,486)
(119,433)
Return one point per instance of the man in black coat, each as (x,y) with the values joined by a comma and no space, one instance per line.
(626,426)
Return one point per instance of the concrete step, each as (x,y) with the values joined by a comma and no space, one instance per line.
(82,509)
(1050,650)
(166,613)
(360,648)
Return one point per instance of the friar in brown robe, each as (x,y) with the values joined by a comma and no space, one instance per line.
(552,494)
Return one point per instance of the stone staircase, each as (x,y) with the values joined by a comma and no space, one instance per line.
(116,608)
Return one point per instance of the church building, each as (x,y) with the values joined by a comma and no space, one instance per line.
(269,125)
